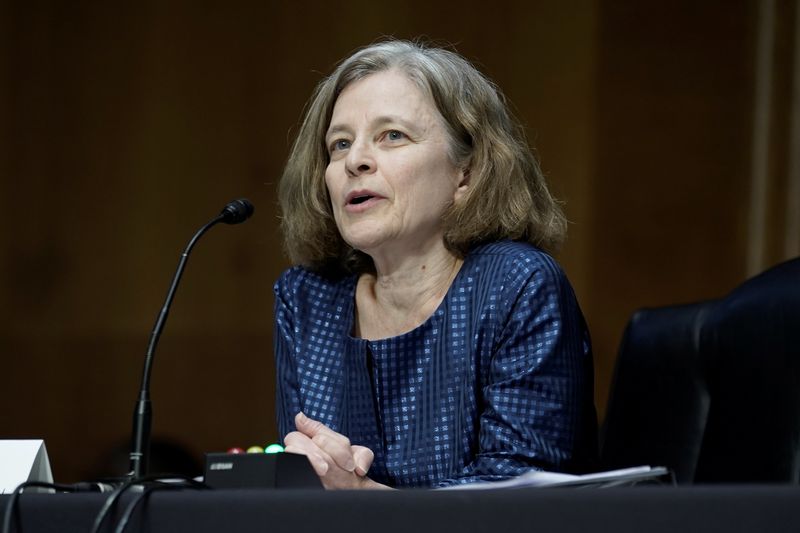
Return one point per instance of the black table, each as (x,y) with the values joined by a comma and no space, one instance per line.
(651,509)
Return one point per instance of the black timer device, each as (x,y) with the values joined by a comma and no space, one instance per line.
(260,470)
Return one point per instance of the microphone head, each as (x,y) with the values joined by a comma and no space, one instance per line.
(237,211)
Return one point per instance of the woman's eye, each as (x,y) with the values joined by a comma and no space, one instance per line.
(340,144)
(394,135)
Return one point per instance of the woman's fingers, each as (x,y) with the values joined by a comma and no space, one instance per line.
(334,444)
(338,463)
(338,449)
(363,458)
(296,442)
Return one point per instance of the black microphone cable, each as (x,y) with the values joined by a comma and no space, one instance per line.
(146,482)
(186,483)
(111,501)
(11,505)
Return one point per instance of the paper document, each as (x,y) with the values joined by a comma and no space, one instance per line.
(539,478)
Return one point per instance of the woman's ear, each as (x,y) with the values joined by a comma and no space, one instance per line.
(463,183)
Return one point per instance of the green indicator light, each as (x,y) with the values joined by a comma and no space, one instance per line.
(273,448)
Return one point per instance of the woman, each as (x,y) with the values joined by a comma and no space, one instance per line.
(425,337)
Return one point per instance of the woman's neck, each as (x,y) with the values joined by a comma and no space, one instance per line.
(403,294)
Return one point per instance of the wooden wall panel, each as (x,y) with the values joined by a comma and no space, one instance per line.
(673,140)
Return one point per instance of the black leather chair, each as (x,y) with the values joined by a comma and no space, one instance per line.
(712,389)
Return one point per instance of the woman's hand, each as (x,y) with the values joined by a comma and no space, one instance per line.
(339,464)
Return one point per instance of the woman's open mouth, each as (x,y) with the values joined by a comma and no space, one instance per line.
(362,200)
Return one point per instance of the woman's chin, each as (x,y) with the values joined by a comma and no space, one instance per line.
(367,242)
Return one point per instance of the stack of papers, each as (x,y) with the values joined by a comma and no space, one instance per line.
(538,478)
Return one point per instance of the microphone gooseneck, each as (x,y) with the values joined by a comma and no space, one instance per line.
(235,212)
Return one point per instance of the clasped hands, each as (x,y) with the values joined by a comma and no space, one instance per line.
(339,464)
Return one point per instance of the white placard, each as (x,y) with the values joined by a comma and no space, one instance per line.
(21,461)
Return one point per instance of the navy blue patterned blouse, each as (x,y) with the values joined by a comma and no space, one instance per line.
(496,382)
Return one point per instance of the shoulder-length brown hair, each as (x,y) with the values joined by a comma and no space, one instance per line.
(507,197)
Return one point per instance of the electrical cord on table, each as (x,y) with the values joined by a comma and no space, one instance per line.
(158,480)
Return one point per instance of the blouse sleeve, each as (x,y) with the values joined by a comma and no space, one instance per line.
(538,409)
(287,400)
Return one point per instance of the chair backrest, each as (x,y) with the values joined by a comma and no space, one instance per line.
(712,389)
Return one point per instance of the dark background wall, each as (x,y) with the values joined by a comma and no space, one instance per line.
(125,126)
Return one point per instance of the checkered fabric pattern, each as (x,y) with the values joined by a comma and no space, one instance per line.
(492,385)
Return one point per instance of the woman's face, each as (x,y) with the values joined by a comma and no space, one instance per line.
(390,177)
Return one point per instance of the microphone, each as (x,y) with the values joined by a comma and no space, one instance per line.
(235,212)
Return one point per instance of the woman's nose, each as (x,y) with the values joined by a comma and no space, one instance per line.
(359,159)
